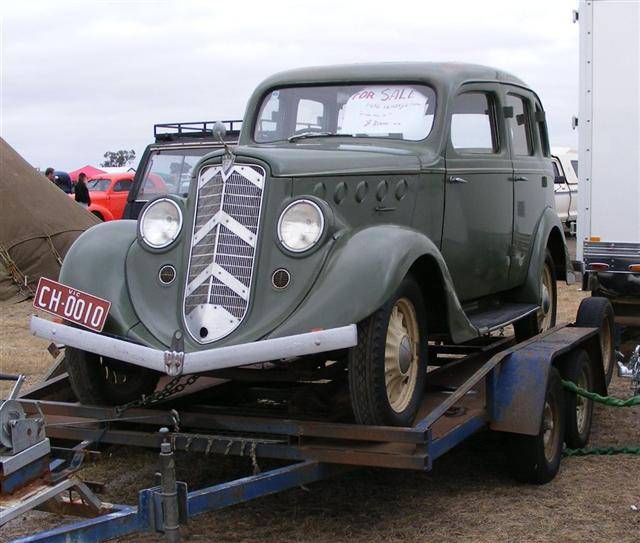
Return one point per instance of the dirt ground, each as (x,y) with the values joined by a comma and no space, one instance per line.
(469,495)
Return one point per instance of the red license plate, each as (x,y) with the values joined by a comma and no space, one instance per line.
(71,304)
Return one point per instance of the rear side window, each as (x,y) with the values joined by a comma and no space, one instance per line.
(520,126)
(542,130)
(472,126)
(124,185)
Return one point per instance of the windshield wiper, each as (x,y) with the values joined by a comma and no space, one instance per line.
(317,135)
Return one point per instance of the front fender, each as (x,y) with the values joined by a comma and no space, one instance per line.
(95,264)
(105,212)
(362,272)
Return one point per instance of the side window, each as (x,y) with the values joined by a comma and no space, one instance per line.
(124,185)
(310,115)
(542,130)
(520,126)
(472,123)
(574,164)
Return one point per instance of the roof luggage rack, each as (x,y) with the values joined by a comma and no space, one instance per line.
(195,130)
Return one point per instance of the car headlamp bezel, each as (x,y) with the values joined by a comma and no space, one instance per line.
(141,236)
(321,234)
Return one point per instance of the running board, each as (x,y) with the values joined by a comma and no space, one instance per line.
(487,320)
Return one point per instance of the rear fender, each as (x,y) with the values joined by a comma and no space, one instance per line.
(104,212)
(549,235)
(363,271)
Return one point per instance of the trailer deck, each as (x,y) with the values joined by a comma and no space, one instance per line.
(491,383)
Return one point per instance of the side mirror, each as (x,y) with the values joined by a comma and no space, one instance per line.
(560,180)
(219,130)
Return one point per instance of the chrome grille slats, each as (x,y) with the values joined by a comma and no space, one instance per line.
(221,262)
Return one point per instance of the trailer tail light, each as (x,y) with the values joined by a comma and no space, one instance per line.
(634,268)
(598,266)
(594,238)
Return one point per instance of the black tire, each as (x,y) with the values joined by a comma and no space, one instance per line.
(596,312)
(367,362)
(530,462)
(98,380)
(530,325)
(579,411)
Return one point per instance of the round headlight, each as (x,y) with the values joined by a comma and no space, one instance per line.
(300,225)
(160,223)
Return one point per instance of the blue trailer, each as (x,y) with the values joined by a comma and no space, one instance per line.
(494,383)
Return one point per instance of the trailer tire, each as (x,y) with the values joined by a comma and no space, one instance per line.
(597,312)
(388,366)
(98,380)
(577,368)
(536,459)
(532,325)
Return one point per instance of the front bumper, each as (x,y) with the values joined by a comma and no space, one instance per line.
(177,363)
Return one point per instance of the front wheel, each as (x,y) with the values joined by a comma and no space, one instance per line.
(98,380)
(388,367)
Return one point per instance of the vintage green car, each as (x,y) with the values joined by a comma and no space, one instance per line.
(367,211)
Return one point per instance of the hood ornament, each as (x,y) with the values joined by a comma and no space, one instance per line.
(219,132)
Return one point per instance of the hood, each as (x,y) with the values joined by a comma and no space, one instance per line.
(306,159)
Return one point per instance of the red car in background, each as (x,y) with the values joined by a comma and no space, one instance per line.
(109,193)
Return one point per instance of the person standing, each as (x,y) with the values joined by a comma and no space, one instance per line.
(82,192)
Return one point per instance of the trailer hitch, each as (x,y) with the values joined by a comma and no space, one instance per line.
(166,503)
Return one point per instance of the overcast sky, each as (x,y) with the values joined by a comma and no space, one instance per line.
(83,77)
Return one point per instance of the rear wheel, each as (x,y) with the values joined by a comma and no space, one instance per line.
(387,369)
(536,459)
(579,410)
(98,380)
(597,312)
(545,317)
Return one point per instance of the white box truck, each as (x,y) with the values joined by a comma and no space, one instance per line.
(608,237)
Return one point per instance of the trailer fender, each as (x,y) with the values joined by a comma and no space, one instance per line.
(517,387)
(379,257)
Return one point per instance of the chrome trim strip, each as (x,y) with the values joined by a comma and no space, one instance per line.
(176,363)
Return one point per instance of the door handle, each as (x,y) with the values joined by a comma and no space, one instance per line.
(520,178)
(453,179)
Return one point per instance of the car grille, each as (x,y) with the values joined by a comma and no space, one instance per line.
(223,248)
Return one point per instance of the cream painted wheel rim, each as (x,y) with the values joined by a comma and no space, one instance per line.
(550,433)
(545,313)
(401,359)
(605,344)
(582,403)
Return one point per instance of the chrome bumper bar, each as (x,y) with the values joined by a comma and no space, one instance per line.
(176,363)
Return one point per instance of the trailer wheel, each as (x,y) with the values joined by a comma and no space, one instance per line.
(596,312)
(536,459)
(388,367)
(579,410)
(545,318)
(98,380)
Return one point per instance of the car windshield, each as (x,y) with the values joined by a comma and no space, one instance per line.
(395,110)
(98,184)
(169,171)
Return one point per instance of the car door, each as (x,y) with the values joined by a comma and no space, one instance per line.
(532,172)
(478,218)
(118,196)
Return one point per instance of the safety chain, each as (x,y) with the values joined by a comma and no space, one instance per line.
(605,400)
(172,387)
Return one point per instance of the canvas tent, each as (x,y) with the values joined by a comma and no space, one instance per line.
(38,224)
(90,171)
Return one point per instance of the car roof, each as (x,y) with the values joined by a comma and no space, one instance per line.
(445,73)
